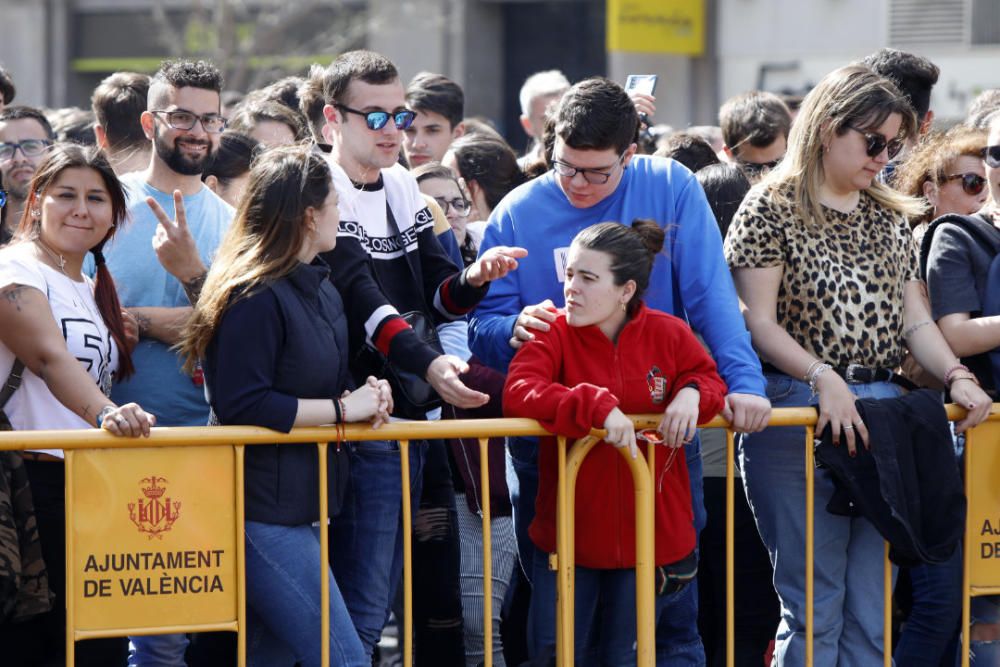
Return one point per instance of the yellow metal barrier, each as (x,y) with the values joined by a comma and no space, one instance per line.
(404,432)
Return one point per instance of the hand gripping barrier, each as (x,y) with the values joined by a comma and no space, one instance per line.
(153,510)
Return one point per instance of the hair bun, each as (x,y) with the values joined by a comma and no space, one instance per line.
(652,234)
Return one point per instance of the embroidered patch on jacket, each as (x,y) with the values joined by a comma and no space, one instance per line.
(657,384)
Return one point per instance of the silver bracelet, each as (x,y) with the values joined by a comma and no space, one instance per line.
(814,378)
(811,368)
(105,411)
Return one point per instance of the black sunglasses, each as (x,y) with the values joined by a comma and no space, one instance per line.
(992,156)
(376,120)
(754,169)
(875,143)
(972,184)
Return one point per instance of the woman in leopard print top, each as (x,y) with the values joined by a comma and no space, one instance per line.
(822,257)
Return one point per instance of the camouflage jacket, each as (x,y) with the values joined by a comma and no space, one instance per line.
(24,584)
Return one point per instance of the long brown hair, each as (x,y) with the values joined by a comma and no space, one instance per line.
(263,243)
(852,96)
(68,156)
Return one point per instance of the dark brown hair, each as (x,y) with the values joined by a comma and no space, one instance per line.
(68,156)
(632,249)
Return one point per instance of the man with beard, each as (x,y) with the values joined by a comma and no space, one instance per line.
(169,206)
(25,139)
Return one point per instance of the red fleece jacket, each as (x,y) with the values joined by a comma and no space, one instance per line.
(569,379)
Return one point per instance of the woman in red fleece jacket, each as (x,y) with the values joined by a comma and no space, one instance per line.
(607,355)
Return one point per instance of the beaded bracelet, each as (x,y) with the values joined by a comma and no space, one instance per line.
(951,371)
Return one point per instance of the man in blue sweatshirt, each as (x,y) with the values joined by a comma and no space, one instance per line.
(597,177)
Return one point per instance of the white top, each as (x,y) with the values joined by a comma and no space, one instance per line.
(32,406)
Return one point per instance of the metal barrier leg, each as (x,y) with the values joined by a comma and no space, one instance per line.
(484,503)
(406,633)
(241,563)
(810,527)
(644,479)
(563,564)
(730,550)
(324,555)
(887,612)
(966,646)
(70,577)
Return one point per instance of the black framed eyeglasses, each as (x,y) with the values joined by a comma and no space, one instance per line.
(460,205)
(875,143)
(182,119)
(30,148)
(592,176)
(376,120)
(992,156)
(972,184)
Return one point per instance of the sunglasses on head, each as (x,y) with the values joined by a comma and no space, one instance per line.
(992,156)
(376,120)
(972,184)
(875,143)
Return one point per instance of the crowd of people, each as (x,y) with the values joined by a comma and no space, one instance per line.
(341,247)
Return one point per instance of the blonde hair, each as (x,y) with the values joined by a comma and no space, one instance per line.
(264,240)
(929,161)
(849,97)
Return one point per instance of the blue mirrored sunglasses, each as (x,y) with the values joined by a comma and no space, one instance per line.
(376,120)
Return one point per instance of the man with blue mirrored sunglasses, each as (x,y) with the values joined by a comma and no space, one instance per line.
(387,263)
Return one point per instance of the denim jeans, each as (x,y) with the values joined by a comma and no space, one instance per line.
(930,635)
(522,484)
(604,610)
(985,609)
(848,555)
(283,601)
(366,538)
(157,650)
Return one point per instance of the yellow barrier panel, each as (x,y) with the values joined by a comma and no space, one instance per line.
(981,572)
(151,548)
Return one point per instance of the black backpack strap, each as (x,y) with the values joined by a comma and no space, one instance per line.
(12,384)
(968,223)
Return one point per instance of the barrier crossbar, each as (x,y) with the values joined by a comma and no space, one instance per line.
(570,459)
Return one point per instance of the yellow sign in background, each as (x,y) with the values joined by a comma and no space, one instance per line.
(154,535)
(656,26)
(984,506)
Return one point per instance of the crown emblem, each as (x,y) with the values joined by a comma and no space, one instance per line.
(153,513)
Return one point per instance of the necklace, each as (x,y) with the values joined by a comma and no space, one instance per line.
(104,377)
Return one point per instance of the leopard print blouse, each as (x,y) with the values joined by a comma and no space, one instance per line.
(841,293)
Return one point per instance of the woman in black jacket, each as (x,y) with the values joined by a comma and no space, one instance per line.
(272,334)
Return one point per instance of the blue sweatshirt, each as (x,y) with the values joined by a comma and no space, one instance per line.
(690,278)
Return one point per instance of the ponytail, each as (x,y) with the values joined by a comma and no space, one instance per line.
(111,311)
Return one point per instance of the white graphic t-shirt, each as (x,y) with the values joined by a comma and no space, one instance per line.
(32,406)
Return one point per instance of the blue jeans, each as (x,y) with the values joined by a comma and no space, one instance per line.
(283,601)
(366,538)
(930,636)
(157,651)
(522,484)
(604,611)
(848,556)
(985,609)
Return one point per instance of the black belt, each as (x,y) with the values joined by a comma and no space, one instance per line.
(857,374)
